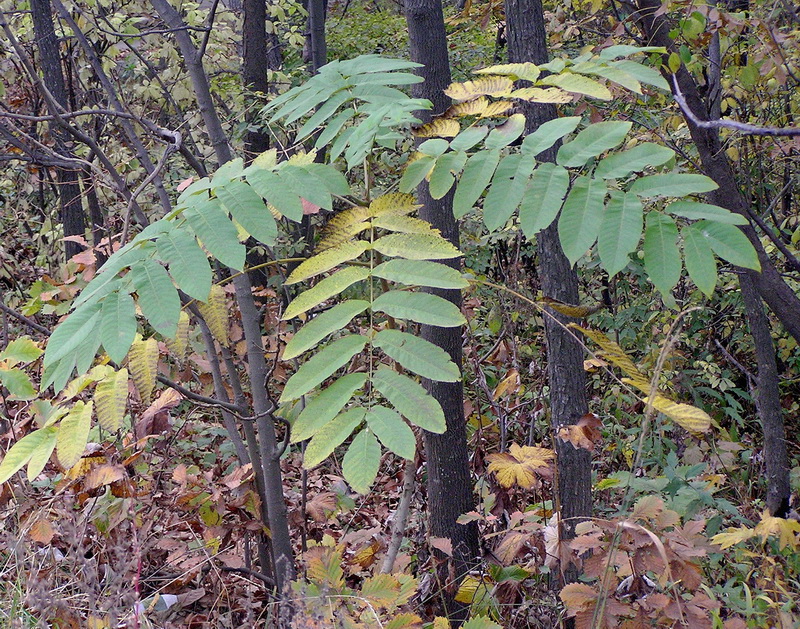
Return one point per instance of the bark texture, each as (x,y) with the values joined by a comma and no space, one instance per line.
(527,41)
(449,481)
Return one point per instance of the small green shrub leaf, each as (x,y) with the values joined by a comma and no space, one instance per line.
(18,383)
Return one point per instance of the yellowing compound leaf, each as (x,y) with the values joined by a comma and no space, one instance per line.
(613,353)
(343,226)
(486,86)
(438,128)
(143,363)
(215,314)
(396,203)
(497,108)
(787,531)
(474,107)
(416,247)
(689,417)
(178,345)
(110,400)
(579,84)
(526,71)
(327,260)
(542,95)
(577,312)
(73,433)
(521,465)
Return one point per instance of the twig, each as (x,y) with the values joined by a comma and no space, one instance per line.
(196,397)
(26,320)
(400,520)
(742,127)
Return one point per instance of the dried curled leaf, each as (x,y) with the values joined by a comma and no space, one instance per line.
(583,434)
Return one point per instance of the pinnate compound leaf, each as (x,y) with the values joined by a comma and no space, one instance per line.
(20,350)
(420,273)
(417,355)
(215,230)
(322,325)
(71,333)
(327,260)
(325,406)
(118,324)
(699,259)
(634,160)
(521,465)
(696,211)
(729,243)
(188,265)
(420,307)
(581,217)
(392,431)
(410,399)
(485,86)
(614,354)
(672,185)
(18,383)
(591,142)
(215,313)
(620,231)
(476,176)
(662,259)
(415,247)
(543,198)
(180,343)
(361,461)
(34,444)
(110,400)
(333,434)
(324,290)
(158,298)
(322,365)
(548,134)
(143,363)
(73,433)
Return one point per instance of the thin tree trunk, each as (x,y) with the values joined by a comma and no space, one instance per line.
(450,491)
(527,41)
(317,10)
(256,62)
(71,212)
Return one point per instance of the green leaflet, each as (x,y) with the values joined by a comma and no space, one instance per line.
(334,127)
(188,265)
(325,289)
(543,198)
(102,283)
(696,211)
(620,231)
(86,352)
(118,324)
(435,147)
(591,142)
(325,406)
(404,224)
(420,307)
(420,273)
(578,84)
(730,243)
(581,216)
(643,73)
(508,187)
(468,138)
(158,298)
(477,174)
(620,77)
(672,185)
(392,431)
(270,187)
(59,372)
(417,355)
(71,333)
(634,160)
(39,442)
(362,461)
(410,399)
(332,435)
(305,184)
(73,433)
(442,176)
(415,172)
(625,50)
(327,260)
(506,133)
(334,181)
(322,325)
(699,259)
(214,229)
(548,134)
(20,350)
(322,365)
(249,210)
(18,383)
(662,260)
(415,247)
(42,454)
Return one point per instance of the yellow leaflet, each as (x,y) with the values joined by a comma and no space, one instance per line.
(497,108)
(438,128)
(525,71)
(215,314)
(540,95)
(143,362)
(474,107)
(486,86)
(110,399)
(395,203)
(180,343)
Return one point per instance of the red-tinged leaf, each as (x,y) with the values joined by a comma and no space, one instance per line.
(443,544)
(185,184)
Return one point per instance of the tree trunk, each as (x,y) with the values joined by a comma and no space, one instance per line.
(318,47)
(71,211)
(256,62)
(527,41)
(450,491)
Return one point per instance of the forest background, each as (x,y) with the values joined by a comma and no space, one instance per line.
(576,417)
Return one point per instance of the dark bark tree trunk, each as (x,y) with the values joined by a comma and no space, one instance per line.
(318,47)
(767,285)
(71,212)
(449,481)
(527,41)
